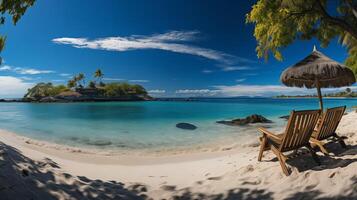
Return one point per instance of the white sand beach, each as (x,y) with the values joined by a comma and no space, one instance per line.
(36,170)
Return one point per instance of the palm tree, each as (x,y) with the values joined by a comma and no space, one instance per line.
(98,75)
(71,83)
(81,77)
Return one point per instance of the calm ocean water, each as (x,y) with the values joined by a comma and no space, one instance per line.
(146,125)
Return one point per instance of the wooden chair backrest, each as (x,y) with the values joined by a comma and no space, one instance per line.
(330,121)
(299,129)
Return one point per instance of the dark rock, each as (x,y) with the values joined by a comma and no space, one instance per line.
(25,173)
(48,99)
(186,126)
(252,119)
(69,95)
(285,117)
(99,143)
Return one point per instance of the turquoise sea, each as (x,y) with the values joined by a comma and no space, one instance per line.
(146,125)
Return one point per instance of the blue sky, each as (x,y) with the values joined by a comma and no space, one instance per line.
(172,48)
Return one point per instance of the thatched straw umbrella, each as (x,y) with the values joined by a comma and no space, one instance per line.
(318,71)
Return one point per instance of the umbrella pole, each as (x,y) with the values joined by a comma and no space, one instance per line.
(320,96)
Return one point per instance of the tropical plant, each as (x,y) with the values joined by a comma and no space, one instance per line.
(278,23)
(138,89)
(81,80)
(98,75)
(58,89)
(123,89)
(112,90)
(15,9)
(71,83)
(91,84)
(41,90)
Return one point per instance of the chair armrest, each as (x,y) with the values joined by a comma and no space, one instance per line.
(268,133)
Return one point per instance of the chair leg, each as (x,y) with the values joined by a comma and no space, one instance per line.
(313,154)
(281,159)
(262,148)
(320,145)
(340,140)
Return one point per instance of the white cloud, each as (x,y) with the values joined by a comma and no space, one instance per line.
(139,81)
(170,41)
(197,91)
(31,71)
(156,91)
(65,74)
(206,71)
(27,78)
(235,68)
(113,79)
(241,80)
(259,90)
(254,90)
(13,87)
(5,68)
(23,71)
(250,74)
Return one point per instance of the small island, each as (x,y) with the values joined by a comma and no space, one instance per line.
(77,90)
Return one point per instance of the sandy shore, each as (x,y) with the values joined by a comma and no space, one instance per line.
(30,170)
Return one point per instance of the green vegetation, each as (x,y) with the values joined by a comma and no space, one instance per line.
(42,90)
(99,76)
(15,9)
(78,89)
(123,89)
(278,23)
(347,93)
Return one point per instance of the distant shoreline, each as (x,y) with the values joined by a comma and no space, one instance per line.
(79,100)
(297,97)
(140,99)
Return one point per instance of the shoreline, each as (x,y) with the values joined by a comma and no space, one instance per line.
(86,155)
(209,174)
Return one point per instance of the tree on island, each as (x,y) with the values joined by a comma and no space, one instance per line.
(81,80)
(278,23)
(99,76)
(123,89)
(77,90)
(15,9)
(42,90)
(77,81)
(72,83)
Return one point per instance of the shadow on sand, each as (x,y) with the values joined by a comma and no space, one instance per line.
(24,178)
(301,163)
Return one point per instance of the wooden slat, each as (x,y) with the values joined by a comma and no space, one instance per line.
(299,129)
(330,122)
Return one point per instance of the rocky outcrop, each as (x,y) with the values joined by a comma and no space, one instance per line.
(48,99)
(252,119)
(69,95)
(286,117)
(186,126)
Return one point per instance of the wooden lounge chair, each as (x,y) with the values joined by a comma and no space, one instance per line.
(297,134)
(327,128)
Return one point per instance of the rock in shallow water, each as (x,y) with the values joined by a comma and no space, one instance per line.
(99,143)
(186,126)
(248,120)
(286,117)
